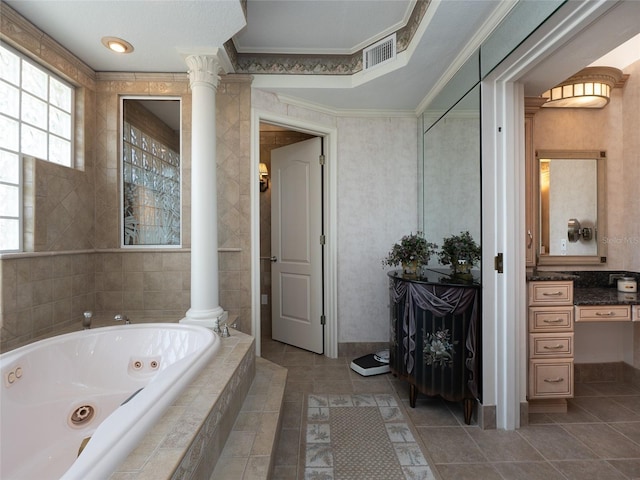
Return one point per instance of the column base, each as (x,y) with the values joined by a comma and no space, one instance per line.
(207,318)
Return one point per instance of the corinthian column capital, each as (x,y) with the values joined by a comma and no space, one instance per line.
(204,69)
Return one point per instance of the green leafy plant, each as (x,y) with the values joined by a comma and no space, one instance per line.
(457,248)
(412,248)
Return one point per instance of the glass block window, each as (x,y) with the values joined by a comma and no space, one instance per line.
(10,201)
(151,179)
(36,119)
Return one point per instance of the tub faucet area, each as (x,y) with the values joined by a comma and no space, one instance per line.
(225,331)
(120,317)
(86,321)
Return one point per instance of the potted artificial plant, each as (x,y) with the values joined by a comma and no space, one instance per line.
(461,252)
(411,252)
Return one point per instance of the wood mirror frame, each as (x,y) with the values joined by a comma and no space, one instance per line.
(600,223)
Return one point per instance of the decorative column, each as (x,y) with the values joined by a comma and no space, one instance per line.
(203,78)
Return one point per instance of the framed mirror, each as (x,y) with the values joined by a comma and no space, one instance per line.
(572,207)
(151,171)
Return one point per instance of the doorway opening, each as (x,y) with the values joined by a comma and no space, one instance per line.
(291,132)
(272,137)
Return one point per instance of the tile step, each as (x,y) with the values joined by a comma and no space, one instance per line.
(249,452)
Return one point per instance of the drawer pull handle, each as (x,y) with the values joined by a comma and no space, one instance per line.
(605,314)
(552,320)
(553,347)
(554,380)
(551,294)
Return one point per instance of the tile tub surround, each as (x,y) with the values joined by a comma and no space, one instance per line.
(249,453)
(214,401)
(188,440)
(47,292)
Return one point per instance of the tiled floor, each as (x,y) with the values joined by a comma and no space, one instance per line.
(599,437)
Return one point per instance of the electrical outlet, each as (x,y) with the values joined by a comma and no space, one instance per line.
(563,247)
(264,299)
(613,278)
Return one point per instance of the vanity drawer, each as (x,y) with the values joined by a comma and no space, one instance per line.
(603,313)
(550,378)
(545,345)
(546,319)
(551,293)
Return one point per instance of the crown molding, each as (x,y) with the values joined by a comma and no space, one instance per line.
(339,112)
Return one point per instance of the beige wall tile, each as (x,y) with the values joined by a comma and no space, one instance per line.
(152,262)
(62,287)
(42,291)
(42,317)
(133,300)
(61,311)
(133,262)
(78,209)
(153,281)
(133,282)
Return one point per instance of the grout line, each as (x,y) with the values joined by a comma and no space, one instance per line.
(358,384)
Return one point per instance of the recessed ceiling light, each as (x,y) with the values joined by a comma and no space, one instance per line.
(117,45)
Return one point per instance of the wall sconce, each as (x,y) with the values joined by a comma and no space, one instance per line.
(589,88)
(264,177)
(575,231)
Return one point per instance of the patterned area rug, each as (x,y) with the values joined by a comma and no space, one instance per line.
(358,437)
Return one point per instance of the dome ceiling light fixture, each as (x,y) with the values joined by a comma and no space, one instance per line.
(589,88)
(117,45)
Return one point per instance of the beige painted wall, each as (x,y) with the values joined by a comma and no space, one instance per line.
(614,129)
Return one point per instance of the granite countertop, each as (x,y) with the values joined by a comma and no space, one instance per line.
(592,287)
(550,276)
(604,296)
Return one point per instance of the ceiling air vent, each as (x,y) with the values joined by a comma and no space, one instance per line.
(380,52)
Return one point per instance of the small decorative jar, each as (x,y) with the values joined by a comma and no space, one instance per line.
(410,268)
(627,285)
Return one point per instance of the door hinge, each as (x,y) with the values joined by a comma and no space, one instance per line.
(321,159)
(498,263)
(323,239)
(323,319)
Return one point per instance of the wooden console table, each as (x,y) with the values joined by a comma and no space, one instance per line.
(435,336)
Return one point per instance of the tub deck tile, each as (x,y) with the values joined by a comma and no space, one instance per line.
(187,441)
(249,452)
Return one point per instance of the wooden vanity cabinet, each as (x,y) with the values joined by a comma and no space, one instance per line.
(550,345)
(531,106)
(603,313)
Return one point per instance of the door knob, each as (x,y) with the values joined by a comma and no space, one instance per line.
(273,259)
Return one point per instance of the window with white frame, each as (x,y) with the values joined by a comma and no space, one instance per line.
(36,119)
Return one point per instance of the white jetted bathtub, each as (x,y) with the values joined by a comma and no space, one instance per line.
(109,385)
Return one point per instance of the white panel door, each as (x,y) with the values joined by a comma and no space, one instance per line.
(296,226)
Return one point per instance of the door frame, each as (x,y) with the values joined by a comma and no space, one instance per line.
(504,295)
(330,285)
